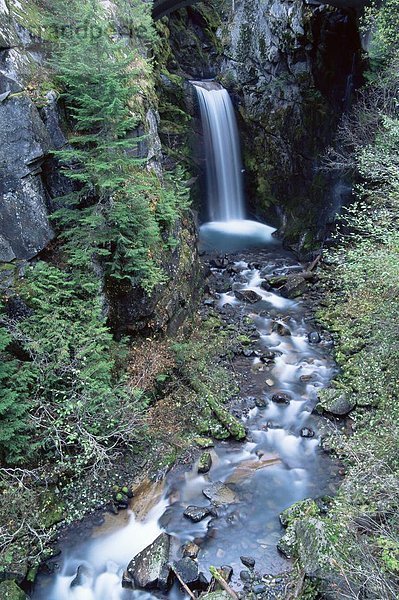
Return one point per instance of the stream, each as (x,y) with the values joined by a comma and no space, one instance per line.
(275,467)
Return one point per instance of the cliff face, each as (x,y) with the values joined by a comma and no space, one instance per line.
(291,66)
(24,144)
(291,69)
(33,123)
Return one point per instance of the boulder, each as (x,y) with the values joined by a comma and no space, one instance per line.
(303,508)
(260,402)
(205,463)
(190,550)
(196,513)
(248,296)
(148,569)
(219,494)
(277,281)
(10,591)
(187,569)
(280,329)
(314,337)
(294,287)
(334,402)
(286,544)
(281,398)
(314,547)
(248,561)
(84,576)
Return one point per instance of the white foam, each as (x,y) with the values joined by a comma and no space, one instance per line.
(236,234)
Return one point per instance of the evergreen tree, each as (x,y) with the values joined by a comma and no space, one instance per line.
(114,217)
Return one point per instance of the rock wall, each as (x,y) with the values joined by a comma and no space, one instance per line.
(33,122)
(291,69)
(25,142)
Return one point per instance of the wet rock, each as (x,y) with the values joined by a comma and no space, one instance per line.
(248,296)
(219,494)
(148,569)
(259,588)
(205,463)
(281,398)
(187,569)
(277,281)
(84,576)
(294,287)
(265,285)
(286,544)
(196,513)
(219,262)
(248,561)
(226,572)
(335,403)
(314,337)
(307,433)
(260,402)
(268,356)
(280,329)
(190,550)
(245,575)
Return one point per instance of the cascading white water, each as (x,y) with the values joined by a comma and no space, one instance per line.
(227,229)
(222,153)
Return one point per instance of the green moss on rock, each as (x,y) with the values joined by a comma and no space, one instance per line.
(10,591)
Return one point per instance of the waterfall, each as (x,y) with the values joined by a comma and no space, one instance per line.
(225,197)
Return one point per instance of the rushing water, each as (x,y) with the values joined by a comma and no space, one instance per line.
(272,469)
(222,153)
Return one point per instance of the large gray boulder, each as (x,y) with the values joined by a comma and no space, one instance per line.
(149,569)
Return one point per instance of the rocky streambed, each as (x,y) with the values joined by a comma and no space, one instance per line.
(226,509)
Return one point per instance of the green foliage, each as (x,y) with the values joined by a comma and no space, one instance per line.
(120,213)
(361,277)
(78,402)
(15,427)
(382,21)
(389,553)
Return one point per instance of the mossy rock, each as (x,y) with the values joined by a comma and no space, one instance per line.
(334,402)
(205,463)
(315,548)
(299,510)
(287,543)
(10,591)
(204,442)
